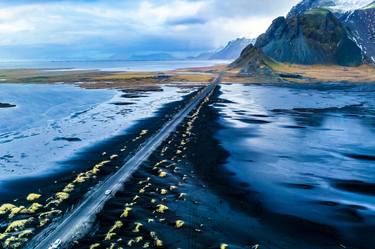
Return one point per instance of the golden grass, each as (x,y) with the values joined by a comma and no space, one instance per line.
(329,73)
(33,197)
(6,207)
(18,225)
(179,223)
(161,208)
(126,76)
(204,78)
(98,79)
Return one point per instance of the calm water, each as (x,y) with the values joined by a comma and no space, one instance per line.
(110,65)
(307,150)
(50,123)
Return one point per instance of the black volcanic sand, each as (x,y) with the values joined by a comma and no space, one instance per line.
(215,209)
(6,105)
(63,190)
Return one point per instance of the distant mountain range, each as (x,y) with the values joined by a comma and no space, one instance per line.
(230,52)
(152,57)
(340,32)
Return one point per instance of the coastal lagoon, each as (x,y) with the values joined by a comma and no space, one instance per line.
(108,65)
(275,165)
(51,123)
(304,151)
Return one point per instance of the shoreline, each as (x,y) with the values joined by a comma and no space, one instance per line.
(196,191)
(281,73)
(213,207)
(91,153)
(80,174)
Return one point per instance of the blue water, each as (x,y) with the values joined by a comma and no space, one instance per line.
(52,123)
(110,65)
(307,150)
(37,104)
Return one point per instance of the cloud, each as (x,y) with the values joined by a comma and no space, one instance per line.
(131,26)
(246,8)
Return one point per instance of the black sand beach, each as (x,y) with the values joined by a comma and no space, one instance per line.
(184,198)
(30,204)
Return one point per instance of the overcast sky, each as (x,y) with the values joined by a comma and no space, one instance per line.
(106,27)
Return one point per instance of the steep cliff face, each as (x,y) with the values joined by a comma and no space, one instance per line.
(314,37)
(361,25)
(357,16)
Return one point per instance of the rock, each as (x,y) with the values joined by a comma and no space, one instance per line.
(252,60)
(314,37)
(361,25)
(358,17)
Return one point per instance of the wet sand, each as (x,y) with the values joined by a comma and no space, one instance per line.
(184,198)
(29,205)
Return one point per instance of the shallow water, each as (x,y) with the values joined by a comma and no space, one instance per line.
(110,65)
(51,123)
(307,150)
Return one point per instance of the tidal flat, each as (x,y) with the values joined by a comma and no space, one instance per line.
(229,175)
(31,201)
(226,178)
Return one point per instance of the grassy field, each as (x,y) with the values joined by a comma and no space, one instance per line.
(328,73)
(192,76)
(98,79)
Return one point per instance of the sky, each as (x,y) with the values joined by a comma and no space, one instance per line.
(115,29)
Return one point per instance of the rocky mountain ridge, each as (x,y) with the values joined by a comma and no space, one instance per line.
(357,16)
(314,37)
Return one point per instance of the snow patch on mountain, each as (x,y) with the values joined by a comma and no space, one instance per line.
(348,5)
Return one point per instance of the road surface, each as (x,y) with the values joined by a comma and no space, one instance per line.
(80,219)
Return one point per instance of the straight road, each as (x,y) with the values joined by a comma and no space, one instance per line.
(80,219)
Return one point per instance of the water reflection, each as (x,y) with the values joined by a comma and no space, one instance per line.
(308,150)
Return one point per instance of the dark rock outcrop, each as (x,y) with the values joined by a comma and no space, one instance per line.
(253,60)
(314,37)
(361,25)
(358,17)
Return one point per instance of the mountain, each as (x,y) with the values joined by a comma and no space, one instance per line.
(313,37)
(231,51)
(361,24)
(152,57)
(358,17)
(336,6)
(252,59)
